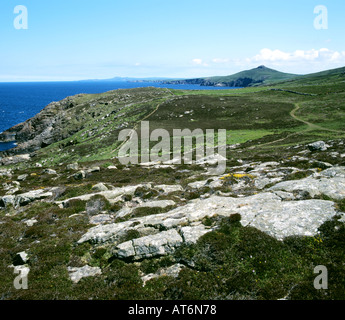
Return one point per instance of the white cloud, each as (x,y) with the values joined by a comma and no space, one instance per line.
(199,62)
(298,61)
(313,55)
(220,60)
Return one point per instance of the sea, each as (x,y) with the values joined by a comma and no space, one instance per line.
(20,101)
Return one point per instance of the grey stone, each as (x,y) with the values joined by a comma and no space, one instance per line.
(31,196)
(6,173)
(191,234)
(172,271)
(49,171)
(261,183)
(80,175)
(5,201)
(159,244)
(318,146)
(111,195)
(22,177)
(30,222)
(100,187)
(331,187)
(20,259)
(76,274)
(333,172)
(73,166)
(168,188)
(265,211)
(157,204)
(100,219)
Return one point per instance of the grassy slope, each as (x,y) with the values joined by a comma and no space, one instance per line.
(247,114)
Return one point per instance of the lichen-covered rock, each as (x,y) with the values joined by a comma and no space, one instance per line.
(6,173)
(80,175)
(318,146)
(331,187)
(72,166)
(111,195)
(5,201)
(49,171)
(100,187)
(191,234)
(31,196)
(172,271)
(76,274)
(22,177)
(159,244)
(168,188)
(266,211)
(157,204)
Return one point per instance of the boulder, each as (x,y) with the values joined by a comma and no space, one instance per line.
(5,201)
(72,166)
(30,222)
(28,197)
(172,271)
(159,244)
(100,187)
(80,175)
(6,173)
(22,177)
(76,274)
(20,259)
(318,146)
(49,171)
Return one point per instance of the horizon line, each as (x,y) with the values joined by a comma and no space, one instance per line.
(148,78)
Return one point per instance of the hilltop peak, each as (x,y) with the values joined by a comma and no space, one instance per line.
(262,67)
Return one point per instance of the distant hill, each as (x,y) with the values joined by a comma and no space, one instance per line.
(258,76)
(324,76)
(127,79)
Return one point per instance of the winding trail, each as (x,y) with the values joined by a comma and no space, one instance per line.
(136,125)
(311,126)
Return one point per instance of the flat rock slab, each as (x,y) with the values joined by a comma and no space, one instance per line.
(76,274)
(331,187)
(172,271)
(266,212)
(112,195)
(150,246)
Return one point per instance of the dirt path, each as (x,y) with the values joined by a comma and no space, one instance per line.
(136,125)
(311,126)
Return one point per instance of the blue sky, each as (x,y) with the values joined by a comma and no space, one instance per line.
(71,40)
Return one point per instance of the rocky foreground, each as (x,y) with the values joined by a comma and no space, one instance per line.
(162,229)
